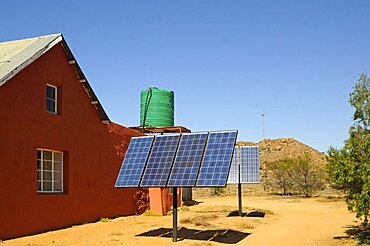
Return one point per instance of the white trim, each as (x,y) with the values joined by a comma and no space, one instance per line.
(41,170)
(56,99)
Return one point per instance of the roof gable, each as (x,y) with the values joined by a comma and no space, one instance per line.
(18,54)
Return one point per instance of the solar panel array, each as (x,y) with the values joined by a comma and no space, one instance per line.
(178,160)
(134,162)
(249,166)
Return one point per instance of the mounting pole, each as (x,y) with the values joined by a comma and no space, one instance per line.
(239,186)
(174,215)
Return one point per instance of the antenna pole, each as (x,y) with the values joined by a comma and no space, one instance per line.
(263,144)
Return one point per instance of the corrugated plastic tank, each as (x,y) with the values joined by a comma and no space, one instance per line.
(159,107)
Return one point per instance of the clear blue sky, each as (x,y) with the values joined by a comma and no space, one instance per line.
(226,61)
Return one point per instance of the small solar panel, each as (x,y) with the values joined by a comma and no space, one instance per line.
(133,165)
(234,169)
(249,164)
(217,159)
(189,155)
(160,161)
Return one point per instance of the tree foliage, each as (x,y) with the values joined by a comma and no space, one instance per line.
(299,175)
(307,177)
(281,175)
(349,167)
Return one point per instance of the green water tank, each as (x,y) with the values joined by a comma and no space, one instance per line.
(157,107)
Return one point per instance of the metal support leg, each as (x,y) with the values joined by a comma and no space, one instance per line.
(174,215)
(240,199)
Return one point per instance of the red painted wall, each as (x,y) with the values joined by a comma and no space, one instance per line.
(93,153)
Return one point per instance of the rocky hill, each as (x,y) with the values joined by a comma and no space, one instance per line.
(283,148)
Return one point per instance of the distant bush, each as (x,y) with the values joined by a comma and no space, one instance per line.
(299,175)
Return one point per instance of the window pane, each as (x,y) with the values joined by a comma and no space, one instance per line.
(39,154)
(47,155)
(57,166)
(38,186)
(47,186)
(47,165)
(58,186)
(47,175)
(57,176)
(38,176)
(38,165)
(50,92)
(58,156)
(50,105)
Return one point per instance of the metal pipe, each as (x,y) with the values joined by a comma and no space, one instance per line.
(174,215)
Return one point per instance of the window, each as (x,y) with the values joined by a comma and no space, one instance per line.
(49,171)
(51,99)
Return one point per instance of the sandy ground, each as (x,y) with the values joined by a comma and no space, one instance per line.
(288,221)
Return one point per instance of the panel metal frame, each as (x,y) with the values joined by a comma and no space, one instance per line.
(192,163)
(143,168)
(204,155)
(143,178)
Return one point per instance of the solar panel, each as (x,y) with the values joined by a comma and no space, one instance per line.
(189,155)
(217,159)
(234,169)
(134,162)
(160,161)
(250,165)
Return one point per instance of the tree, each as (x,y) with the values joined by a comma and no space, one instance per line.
(307,176)
(299,175)
(281,175)
(349,167)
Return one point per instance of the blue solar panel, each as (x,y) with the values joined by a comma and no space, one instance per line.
(217,159)
(134,162)
(234,169)
(189,155)
(160,161)
(249,164)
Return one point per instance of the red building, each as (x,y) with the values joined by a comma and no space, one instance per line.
(59,152)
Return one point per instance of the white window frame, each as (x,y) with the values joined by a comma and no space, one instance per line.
(52,172)
(54,99)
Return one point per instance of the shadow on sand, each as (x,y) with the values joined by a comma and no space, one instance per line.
(220,236)
(361,233)
(249,214)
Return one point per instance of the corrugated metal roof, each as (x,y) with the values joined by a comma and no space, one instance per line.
(18,54)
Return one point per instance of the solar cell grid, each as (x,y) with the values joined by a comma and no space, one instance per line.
(134,162)
(249,166)
(188,159)
(160,161)
(217,159)
(249,156)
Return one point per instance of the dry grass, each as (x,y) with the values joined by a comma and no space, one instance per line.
(184,208)
(151,213)
(265,211)
(246,225)
(116,234)
(199,220)
(105,220)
